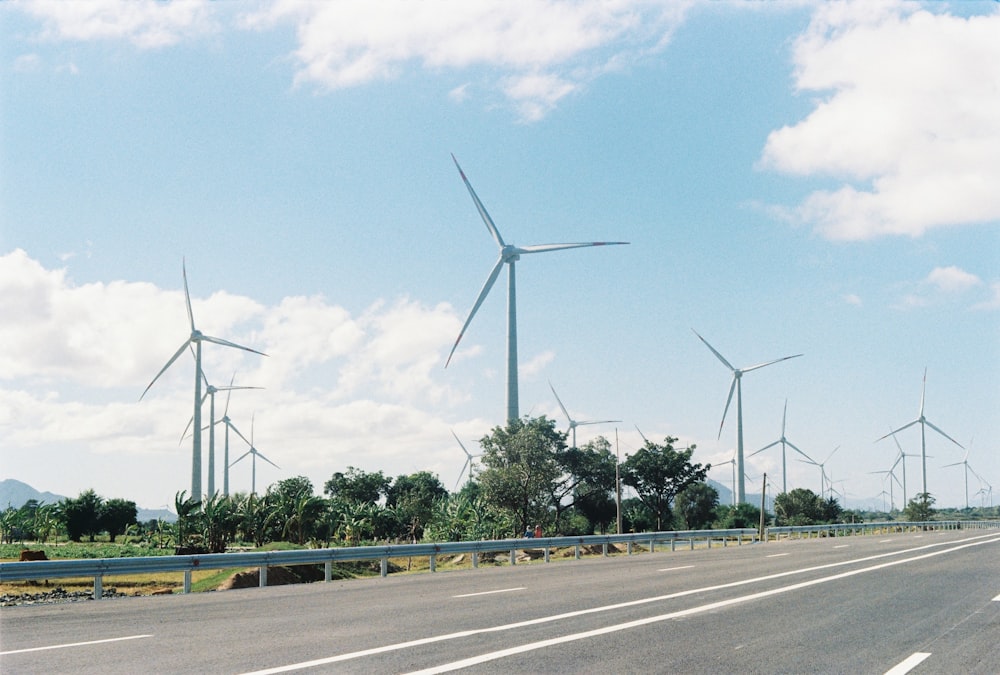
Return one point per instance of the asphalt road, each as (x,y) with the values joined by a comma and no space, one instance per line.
(925,603)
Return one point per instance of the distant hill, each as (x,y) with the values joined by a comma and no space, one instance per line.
(16,494)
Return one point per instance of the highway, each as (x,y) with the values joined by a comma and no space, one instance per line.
(919,603)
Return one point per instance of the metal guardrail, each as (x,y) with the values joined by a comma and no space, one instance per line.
(98,568)
(849,529)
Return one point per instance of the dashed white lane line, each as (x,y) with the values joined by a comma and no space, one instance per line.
(74,644)
(908,664)
(501,590)
(996,599)
(885,541)
(671,569)
(842,546)
(776,555)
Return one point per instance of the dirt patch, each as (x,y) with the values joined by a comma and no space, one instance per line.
(276,576)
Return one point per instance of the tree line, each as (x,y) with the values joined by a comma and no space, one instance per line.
(528,477)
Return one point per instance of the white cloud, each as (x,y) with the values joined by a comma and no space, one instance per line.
(147,24)
(952,279)
(853,299)
(539,50)
(907,116)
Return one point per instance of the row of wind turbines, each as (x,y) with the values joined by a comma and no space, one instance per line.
(509,254)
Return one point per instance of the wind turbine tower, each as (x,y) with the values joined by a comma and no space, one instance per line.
(738,387)
(509,254)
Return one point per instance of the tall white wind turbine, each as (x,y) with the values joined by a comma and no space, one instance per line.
(923,422)
(965,463)
(509,254)
(822,470)
(738,387)
(254,453)
(573,424)
(469,461)
(195,339)
(783,441)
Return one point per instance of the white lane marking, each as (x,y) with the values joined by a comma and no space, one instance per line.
(74,644)
(543,644)
(842,546)
(632,603)
(907,664)
(502,590)
(996,599)
(776,555)
(885,541)
(671,569)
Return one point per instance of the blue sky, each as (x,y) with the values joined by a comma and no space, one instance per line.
(798,177)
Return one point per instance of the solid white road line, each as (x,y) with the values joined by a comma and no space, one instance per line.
(842,546)
(996,599)
(502,590)
(777,555)
(908,664)
(975,541)
(74,644)
(671,569)
(885,541)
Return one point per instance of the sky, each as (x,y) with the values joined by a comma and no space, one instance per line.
(816,178)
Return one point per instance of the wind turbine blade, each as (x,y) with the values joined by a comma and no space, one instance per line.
(164,368)
(559,401)
(580,424)
(923,391)
(893,433)
(945,466)
(644,439)
(796,449)
(494,232)
(187,295)
(832,453)
(191,421)
(475,308)
(460,443)
(267,460)
(462,473)
(543,248)
(928,422)
(241,457)
(233,427)
(761,365)
(771,445)
(729,400)
(227,343)
(784,416)
(717,354)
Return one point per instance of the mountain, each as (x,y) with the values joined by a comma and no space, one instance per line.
(17,494)
(14,493)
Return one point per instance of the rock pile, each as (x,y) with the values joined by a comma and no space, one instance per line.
(55,595)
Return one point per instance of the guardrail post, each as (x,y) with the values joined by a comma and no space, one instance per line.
(604,549)
(263,576)
(385,567)
(546,554)
(628,548)
(673,545)
(725,542)
(328,570)
(475,559)
(187,581)
(691,543)
(709,539)
(98,587)
(433,563)
(577,551)
(652,545)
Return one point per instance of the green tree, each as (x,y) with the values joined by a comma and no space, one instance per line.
(116,515)
(696,505)
(658,473)
(737,517)
(587,480)
(799,507)
(920,508)
(357,486)
(219,522)
(413,497)
(306,519)
(81,516)
(521,469)
(188,512)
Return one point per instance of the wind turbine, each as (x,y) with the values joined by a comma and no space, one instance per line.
(889,475)
(783,441)
(469,457)
(901,458)
(822,470)
(923,422)
(965,463)
(210,391)
(573,424)
(732,461)
(738,387)
(255,454)
(196,338)
(509,254)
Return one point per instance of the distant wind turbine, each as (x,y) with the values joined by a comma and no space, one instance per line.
(738,387)
(196,338)
(210,391)
(965,463)
(783,441)
(923,422)
(822,470)
(469,461)
(573,424)
(509,254)
(254,455)
(732,461)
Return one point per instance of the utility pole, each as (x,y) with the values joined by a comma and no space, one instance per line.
(763,492)
(618,486)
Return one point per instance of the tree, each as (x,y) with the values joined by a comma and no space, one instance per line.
(116,515)
(81,516)
(219,522)
(357,486)
(522,468)
(799,507)
(919,509)
(413,497)
(738,517)
(588,479)
(658,473)
(696,504)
